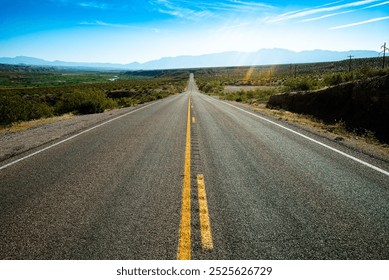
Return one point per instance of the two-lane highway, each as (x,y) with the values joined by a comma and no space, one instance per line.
(194,177)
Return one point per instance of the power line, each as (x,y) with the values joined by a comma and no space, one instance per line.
(384,51)
(349,65)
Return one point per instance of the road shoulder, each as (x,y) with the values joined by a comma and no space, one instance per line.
(334,133)
(30,135)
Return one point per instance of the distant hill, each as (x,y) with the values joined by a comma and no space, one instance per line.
(261,57)
(12,68)
(25,60)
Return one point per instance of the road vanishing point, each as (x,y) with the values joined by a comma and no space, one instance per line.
(193,177)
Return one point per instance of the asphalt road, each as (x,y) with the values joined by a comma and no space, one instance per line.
(117,191)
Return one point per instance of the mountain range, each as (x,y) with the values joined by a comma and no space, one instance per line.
(225,59)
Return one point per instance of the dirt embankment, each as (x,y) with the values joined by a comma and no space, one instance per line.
(362,105)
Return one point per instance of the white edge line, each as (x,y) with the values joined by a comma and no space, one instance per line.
(73,136)
(313,140)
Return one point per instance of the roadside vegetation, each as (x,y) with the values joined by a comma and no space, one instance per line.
(30,93)
(354,96)
(255,85)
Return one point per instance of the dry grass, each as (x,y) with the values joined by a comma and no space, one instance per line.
(22,126)
(336,132)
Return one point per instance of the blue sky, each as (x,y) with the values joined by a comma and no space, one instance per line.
(121,31)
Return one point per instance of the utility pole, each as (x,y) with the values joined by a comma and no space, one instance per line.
(349,65)
(384,51)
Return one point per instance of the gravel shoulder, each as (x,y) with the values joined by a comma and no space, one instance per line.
(29,135)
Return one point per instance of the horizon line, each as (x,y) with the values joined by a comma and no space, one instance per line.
(182,55)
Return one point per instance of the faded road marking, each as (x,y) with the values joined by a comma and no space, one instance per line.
(184,243)
(205,225)
(193,120)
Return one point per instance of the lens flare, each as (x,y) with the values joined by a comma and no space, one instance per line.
(248,75)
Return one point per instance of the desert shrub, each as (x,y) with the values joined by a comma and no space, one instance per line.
(205,87)
(211,87)
(238,99)
(84,103)
(300,84)
(263,95)
(125,102)
(333,79)
(230,97)
(250,96)
(15,108)
(369,72)
(90,107)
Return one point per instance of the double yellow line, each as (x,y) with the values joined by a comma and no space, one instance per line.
(184,242)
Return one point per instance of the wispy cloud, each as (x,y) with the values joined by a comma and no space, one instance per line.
(180,9)
(327,16)
(185,13)
(323,9)
(102,23)
(359,23)
(377,5)
(203,9)
(94,5)
(330,4)
(239,6)
(115,25)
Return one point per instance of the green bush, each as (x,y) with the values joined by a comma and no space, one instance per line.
(301,84)
(84,103)
(250,96)
(90,107)
(15,108)
(333,79)
(125,102)
(211,87)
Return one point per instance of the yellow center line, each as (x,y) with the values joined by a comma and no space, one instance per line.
(184,243)
(205,225)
